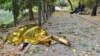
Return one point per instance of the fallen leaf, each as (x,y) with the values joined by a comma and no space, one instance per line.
(74,51)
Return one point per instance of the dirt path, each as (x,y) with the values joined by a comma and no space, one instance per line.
(82,32)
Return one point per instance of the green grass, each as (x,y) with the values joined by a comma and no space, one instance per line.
(6,17)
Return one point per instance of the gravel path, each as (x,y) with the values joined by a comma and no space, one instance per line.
(83,34)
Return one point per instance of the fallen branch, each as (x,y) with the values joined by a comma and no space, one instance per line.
(58,39)
(61,40)
(46,38)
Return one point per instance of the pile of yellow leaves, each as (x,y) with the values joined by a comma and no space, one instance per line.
(30,34)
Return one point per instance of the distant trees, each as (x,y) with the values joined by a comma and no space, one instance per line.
(18,6)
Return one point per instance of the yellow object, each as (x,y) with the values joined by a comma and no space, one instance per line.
(29,33)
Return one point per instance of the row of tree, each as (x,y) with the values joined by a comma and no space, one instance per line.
(45,8)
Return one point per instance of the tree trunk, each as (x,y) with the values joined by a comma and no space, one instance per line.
(70,5)
(94,11)
(44,10)
(31,16)
(53,8)
(39,13)
(15,11)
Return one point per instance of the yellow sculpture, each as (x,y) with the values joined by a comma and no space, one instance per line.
(30,34)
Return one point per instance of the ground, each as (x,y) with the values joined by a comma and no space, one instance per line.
(83,32)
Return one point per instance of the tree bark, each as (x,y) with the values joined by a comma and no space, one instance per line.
(70,5)
(44,11)
(15,11)
(31,15)
(94,11)
(39,13)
